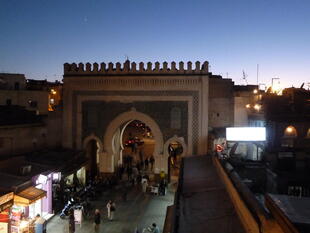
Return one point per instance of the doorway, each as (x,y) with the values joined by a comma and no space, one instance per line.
(138,145)
(92,149)
(175,150)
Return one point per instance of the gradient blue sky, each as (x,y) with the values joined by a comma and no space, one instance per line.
(38,36)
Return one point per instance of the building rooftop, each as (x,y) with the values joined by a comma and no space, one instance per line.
(202,202)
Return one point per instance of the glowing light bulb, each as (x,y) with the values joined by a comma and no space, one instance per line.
(257,107)
(289,129)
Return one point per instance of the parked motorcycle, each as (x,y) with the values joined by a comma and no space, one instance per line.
(66,210)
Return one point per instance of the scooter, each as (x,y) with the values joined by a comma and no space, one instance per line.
(66,210)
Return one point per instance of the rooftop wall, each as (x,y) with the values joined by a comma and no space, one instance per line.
(132,68)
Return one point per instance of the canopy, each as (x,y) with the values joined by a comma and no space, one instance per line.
(28,196)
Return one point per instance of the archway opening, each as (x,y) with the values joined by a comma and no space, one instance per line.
(290,131)
(175,150)
(137,143)
(92,149)
(288,139)
(113,154)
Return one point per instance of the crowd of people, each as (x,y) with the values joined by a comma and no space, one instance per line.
(131,172)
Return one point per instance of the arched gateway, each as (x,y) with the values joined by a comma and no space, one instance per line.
(100,101)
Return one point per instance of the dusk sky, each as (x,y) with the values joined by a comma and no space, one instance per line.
(38,36)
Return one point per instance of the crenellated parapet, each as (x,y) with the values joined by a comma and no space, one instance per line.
(138,69)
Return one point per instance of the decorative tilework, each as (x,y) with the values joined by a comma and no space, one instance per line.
(193,94)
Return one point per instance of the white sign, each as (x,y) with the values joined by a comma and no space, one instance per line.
(246,134)
(3,227)
(78,216)
(41,179)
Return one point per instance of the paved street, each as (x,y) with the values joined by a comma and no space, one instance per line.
(139,210)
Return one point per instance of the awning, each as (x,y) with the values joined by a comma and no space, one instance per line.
(28,196)
(6,201)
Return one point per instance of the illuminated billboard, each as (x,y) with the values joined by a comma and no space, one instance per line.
(246,134)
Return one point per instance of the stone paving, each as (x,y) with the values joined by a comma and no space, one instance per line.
(140,210)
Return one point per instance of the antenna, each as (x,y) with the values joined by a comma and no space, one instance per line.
(244,76)
(257,69)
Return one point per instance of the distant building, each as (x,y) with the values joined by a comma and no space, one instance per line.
(26,121)
(221,102)
(288,119)
(13,91)
(35,95)
(248,109)
(54,90)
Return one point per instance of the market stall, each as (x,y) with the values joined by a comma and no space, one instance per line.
(23,212)
(6,201)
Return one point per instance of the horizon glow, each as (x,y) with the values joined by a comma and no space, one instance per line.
(39,36)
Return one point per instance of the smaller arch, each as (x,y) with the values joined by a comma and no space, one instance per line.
(92,147)
(290,132)
(93,137)
(175,138)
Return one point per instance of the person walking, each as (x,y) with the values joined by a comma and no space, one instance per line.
(124,194)
(109,209)
(144,185)
(97,220)
(113,209)
(129,172)
(152,161)
(71,222)
(146,163)
(154,228)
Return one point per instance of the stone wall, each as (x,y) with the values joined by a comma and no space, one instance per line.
(22,139)
(221,103)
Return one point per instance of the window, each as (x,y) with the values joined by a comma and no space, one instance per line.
(8,102)
(16,86)
(32,104)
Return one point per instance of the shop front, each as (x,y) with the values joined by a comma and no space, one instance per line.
(45,206)
(6,201)
(27,204)
(77,177)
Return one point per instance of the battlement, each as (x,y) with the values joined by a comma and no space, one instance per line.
(131,68)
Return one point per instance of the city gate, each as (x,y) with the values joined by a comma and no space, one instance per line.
(100,101)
